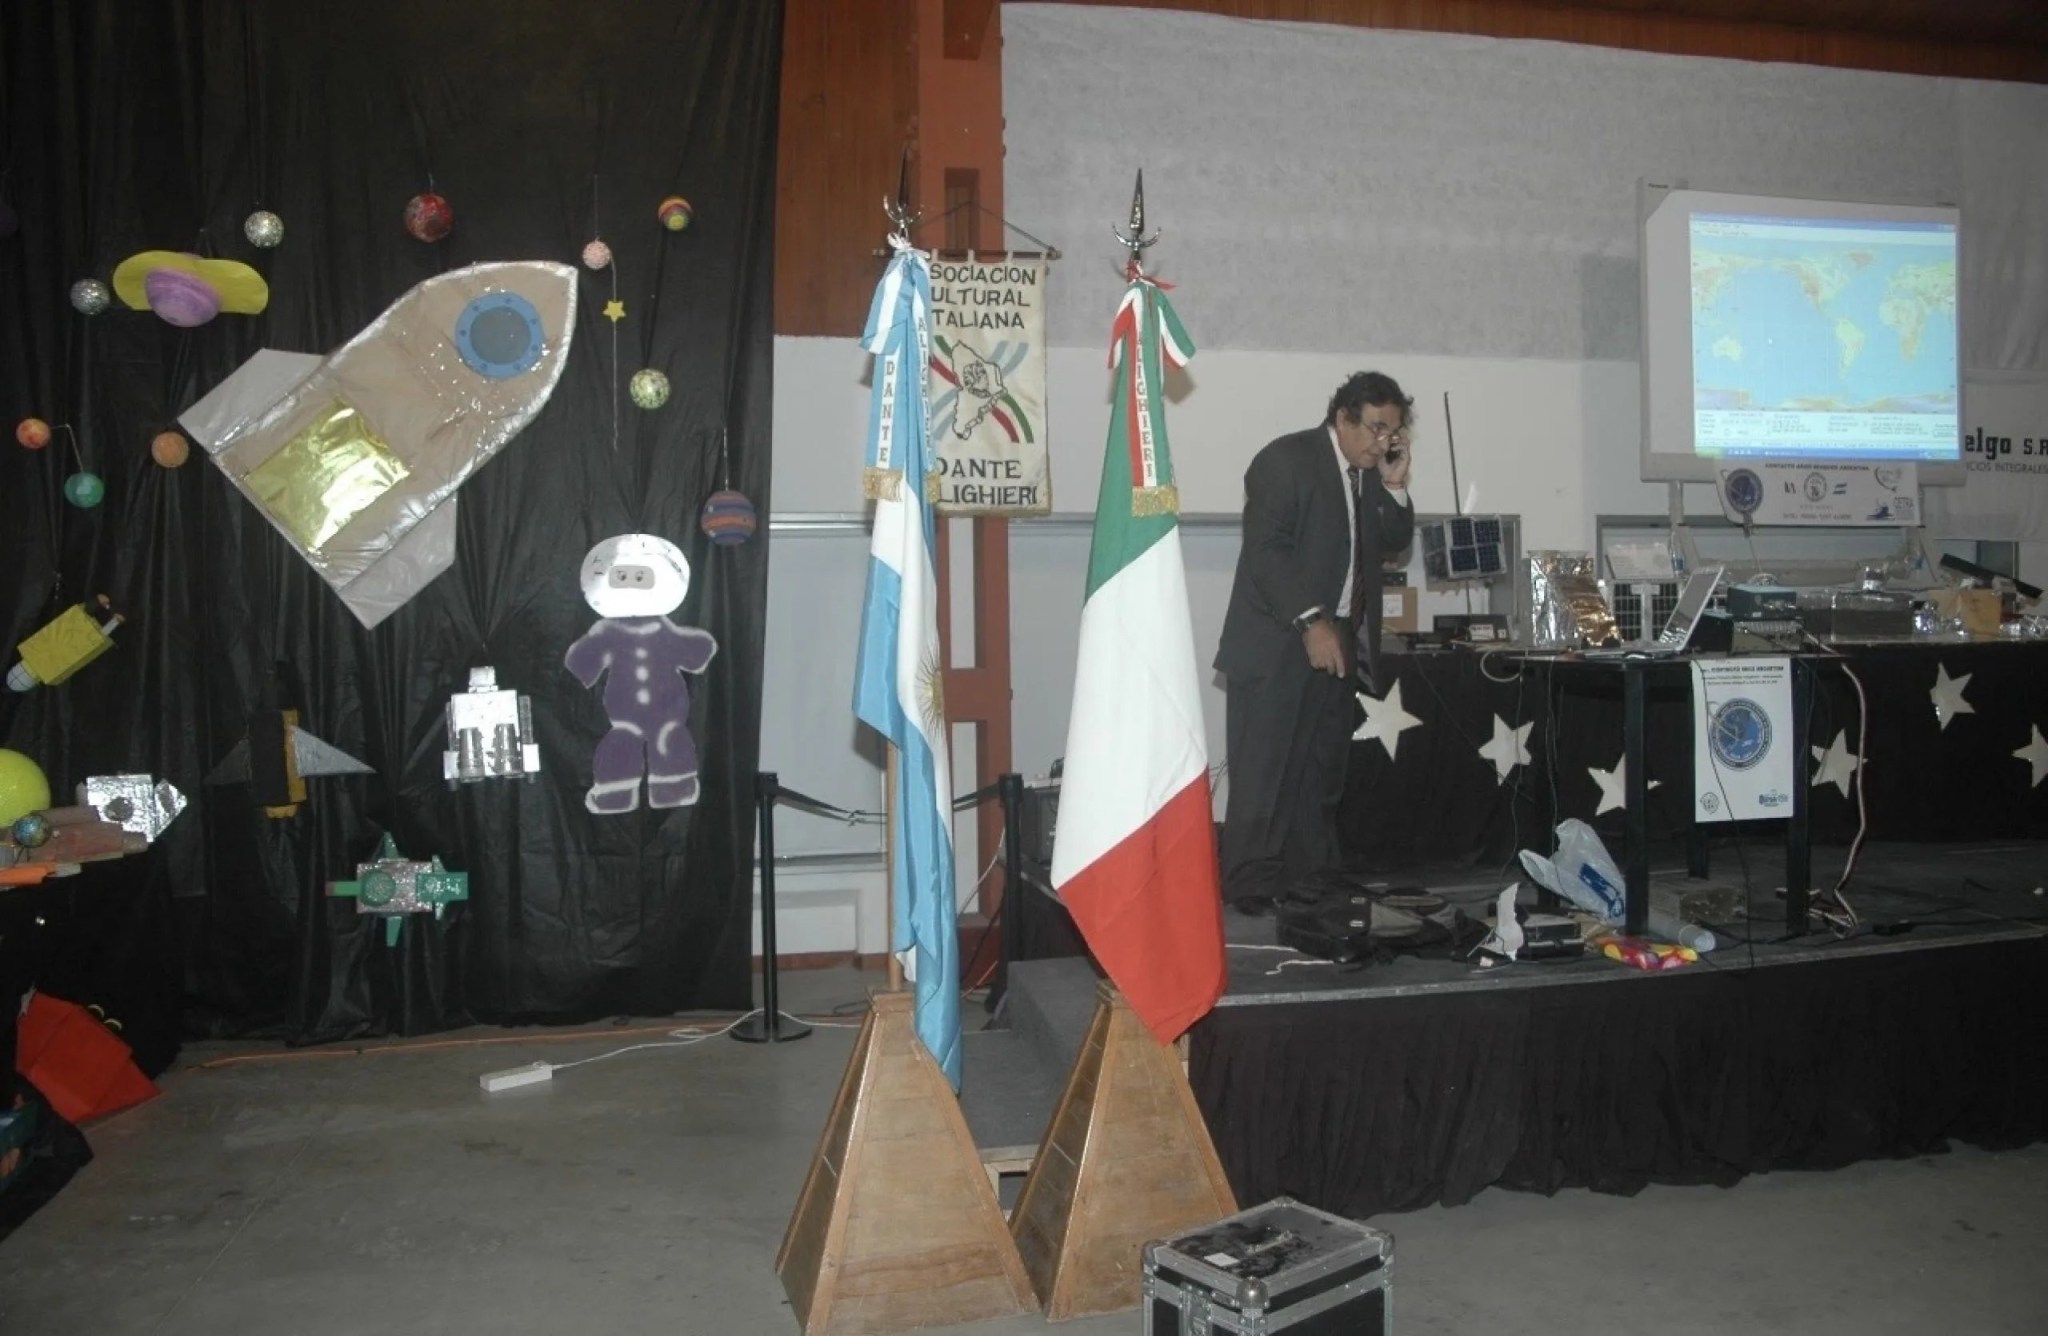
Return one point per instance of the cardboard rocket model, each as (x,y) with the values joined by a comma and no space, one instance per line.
(277,757)
(356,457)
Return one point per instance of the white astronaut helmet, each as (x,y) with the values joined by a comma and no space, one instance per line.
(635,575)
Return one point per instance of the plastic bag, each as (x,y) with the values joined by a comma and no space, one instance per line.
(1581,871)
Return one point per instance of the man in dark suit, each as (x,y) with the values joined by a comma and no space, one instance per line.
(1322,508)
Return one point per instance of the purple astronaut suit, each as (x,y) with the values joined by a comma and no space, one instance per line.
(633,580)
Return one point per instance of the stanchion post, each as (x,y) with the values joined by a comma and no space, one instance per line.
(1798,831)
(1010,789)
(768,1027)
(1635,869)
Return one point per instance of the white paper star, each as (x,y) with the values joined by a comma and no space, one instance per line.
(1385,720)
(1948,695)
(2035,754)
(1613,786)
(1837,763)
(1509,748)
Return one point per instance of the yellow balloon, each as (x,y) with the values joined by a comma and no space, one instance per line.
(23,787)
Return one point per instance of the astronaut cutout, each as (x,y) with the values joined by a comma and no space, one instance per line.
(633,581)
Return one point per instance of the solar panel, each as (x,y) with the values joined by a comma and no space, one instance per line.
(1464,548)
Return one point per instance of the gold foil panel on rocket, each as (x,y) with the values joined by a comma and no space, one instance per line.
(331,472)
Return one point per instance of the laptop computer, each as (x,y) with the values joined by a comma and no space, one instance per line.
(1693,599)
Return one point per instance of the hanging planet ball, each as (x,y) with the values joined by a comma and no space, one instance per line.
(31,831)
(674,213)
(89,296)
(428,217)
(596,255)
(170,449)
(32,432)
(728,519)
(23,789)
(648,388)
(84,490)
(263,228)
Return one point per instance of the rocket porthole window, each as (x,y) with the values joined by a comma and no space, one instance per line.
(499,335)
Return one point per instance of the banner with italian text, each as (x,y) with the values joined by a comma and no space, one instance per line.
(988,386)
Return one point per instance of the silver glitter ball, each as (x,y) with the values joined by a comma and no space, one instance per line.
(263,228)
(89,296)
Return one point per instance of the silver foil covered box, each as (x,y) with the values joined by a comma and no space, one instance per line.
(139,803)
(490,733)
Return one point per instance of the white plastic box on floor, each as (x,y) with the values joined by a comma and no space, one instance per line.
(1280,1267)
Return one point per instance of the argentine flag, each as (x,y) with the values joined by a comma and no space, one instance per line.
(897,685)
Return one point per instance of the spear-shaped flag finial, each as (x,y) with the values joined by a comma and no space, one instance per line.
(1135,240)
(898,209)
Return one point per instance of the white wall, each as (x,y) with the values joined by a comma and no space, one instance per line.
(1554,441)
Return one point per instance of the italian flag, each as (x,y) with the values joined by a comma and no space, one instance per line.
(1134,852)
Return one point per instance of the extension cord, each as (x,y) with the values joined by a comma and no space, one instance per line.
(513,1077)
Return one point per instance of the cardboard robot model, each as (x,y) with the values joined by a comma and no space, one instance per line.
(490,733)
(633,581)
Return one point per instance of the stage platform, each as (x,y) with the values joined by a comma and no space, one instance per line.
(1909,896)
(1391,1086)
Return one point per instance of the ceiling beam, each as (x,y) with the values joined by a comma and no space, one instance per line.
(1669,28)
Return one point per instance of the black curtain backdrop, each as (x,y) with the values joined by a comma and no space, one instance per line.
(545,123)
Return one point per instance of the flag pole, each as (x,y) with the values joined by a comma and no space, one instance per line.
(901,221)
(889,874)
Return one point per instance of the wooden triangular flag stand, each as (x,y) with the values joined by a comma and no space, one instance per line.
(1126,1160)
(897,1226)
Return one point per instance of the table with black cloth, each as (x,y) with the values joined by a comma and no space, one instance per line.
(1437,800)
(1363,1101)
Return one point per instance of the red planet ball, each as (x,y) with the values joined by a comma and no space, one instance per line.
(170,449)
(674,213)
(428,217)
(33,433)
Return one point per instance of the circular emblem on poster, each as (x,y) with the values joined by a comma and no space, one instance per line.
(1740,734)
(1744,491)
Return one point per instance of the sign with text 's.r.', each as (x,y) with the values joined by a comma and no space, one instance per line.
(988,386)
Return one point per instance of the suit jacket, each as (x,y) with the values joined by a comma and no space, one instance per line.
(1296,553)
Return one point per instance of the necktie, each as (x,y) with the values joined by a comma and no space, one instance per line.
(1356,612)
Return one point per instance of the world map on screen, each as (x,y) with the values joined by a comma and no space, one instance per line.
(1828,321)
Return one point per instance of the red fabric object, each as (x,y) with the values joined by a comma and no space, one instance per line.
(1151,913)
(83,1068)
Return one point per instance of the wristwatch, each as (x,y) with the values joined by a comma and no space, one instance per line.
(1308,619)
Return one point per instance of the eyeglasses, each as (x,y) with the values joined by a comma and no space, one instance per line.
(1382,434)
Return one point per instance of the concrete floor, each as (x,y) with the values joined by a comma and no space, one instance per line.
(647,1193)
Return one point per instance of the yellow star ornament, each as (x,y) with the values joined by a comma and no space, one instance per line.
(615,310)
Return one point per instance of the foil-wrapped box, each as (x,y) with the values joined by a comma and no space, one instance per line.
(1566,607)
(142,804)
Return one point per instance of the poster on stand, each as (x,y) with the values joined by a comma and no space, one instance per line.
(988,386)
(1821,492)
(1742,739)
